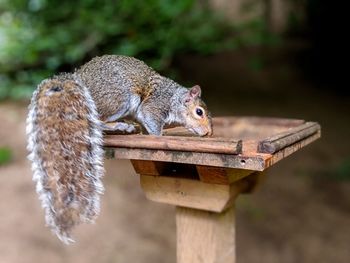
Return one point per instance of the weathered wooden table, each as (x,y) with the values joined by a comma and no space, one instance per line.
(202,177)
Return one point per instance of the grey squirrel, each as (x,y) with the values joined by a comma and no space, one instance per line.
(68,114)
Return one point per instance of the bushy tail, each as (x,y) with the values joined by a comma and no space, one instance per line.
(65,145)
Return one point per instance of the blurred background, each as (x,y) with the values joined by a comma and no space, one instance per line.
(279,58)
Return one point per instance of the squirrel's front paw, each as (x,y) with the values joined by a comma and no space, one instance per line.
(120,128)
(126,127)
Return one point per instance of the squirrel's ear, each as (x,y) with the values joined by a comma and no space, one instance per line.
(193,93)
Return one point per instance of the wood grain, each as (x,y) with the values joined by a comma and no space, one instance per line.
(220,175)
(284,139)
(250,161)
(190,193)
(285,152)
(255,153)
(205,237)
(256,121)
(175,143)
(148,167)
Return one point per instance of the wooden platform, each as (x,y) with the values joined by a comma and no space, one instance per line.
(238,142)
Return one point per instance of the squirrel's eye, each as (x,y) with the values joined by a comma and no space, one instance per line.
(199,112)
(56,89)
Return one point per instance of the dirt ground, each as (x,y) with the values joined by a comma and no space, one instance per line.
(298,215)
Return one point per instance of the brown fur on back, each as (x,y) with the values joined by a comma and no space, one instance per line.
(111,79)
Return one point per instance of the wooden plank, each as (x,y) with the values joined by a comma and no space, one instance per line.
(190,193)
(205,237)
(284,139)
(148,167)
(188,144)
(276,157)
(220,175)
(169,169)
(232,127)
(256,121)
(253,128)
(212,174)
(246,160)
(250,161)
(178,131)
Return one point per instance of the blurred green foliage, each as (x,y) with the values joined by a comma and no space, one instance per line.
(342,171)
(40,37)
(5,155)
(339,171)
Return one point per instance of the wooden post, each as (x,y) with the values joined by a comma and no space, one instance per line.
(204,236)
(204,216)
(204,199)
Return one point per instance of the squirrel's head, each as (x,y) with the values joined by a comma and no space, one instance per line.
(196,115)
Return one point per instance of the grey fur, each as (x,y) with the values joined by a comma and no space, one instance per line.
(124,86)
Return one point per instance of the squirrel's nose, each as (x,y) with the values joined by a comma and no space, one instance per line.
(210,130)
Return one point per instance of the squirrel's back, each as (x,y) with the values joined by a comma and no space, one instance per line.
(65,145)
(112,79)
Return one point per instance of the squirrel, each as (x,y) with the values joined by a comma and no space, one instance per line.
(68,114)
